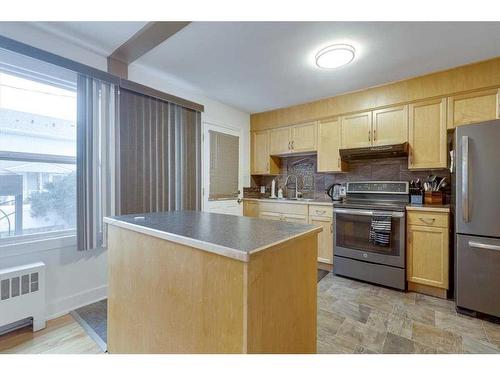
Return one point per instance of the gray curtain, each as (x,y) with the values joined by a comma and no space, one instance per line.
(160,148)
(97,160)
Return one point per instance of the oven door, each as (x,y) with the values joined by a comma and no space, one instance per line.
(352,232)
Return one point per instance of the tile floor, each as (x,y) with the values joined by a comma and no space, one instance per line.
(355,317)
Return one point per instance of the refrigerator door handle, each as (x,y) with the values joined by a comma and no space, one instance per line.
(486,246)
(465,178)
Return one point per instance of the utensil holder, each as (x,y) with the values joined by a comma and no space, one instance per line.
(433,197)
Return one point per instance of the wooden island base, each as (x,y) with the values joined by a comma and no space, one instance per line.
(165,297)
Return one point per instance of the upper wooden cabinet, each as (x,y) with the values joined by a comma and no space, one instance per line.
(280,140)
(304,137)
(473,107)
(356,130)
(427,134)
(385,126)
(262,163)
(328,146)
(390,126)
(294,139)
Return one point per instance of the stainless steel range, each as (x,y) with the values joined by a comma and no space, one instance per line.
(369,206)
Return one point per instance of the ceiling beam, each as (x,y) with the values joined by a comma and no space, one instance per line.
(147,38)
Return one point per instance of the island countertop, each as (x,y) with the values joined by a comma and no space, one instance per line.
(232,236)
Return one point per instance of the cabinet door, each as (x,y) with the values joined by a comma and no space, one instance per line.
(294,218)
(473,107)
(427,257)
(390,126)
(280,141)
(328,146)
(325,238)
(251,208)
(427,134)
(357,130)
(269,215)
(304,137)
(260,152)
(262,162)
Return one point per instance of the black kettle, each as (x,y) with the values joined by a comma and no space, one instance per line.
(333,192)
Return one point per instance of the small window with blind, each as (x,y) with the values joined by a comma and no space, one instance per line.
(224,161)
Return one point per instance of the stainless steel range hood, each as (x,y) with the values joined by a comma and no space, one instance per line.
(374,152)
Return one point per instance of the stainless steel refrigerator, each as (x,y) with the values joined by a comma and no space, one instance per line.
(477,217)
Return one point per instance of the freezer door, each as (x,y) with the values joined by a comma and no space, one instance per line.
(478,179)
(478,274)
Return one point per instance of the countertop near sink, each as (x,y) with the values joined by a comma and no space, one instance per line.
(433,208)
(321,202)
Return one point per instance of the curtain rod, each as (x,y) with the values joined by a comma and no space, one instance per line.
(40,54)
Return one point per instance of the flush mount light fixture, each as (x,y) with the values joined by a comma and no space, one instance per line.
(335,56)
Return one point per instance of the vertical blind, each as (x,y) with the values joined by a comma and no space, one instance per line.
(160,148)
(97,160)
(224,159)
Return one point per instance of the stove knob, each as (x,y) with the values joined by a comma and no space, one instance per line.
(365,255)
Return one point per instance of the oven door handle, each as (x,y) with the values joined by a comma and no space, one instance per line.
(367,212)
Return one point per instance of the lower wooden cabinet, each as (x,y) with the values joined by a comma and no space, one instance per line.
(325,238)
(298,213)
(251,208)
(428,252)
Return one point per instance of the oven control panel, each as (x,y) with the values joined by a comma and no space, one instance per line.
(380,187)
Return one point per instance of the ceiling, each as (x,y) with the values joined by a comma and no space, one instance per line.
(100,37)
(258,66)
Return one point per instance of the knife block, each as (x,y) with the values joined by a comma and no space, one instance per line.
(433,197)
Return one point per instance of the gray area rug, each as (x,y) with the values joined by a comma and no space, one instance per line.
(93,318)
(321,274)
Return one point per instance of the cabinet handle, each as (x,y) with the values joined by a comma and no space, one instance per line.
(369,135)
(374,135)
(320,212)
(331,228)
(289,145)
(427,220)
(293,147)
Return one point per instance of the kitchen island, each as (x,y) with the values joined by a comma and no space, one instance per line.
(196,282)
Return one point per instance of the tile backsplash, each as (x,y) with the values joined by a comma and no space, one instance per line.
(313,184)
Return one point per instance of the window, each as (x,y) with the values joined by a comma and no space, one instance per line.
(224,156)
(37,151)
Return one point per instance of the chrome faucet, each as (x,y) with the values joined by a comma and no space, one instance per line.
(297,192)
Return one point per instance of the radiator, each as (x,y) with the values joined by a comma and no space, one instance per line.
(22,295)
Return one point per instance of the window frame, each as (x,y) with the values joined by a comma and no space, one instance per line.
(42,236)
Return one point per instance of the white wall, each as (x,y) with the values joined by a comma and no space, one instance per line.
(77,278)
(73,278)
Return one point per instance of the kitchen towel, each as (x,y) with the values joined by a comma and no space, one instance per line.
(380,230)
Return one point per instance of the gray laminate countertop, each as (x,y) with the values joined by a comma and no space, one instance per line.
(313,202)
(233,236)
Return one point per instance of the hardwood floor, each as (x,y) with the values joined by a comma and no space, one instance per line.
(62,336)
(353,317)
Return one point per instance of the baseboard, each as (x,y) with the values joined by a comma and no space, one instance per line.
(63,306)
(427,289)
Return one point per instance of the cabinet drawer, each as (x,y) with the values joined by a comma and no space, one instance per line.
(430,219)
(322,211)
(283,208)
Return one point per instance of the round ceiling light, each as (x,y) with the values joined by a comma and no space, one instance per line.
(335,56)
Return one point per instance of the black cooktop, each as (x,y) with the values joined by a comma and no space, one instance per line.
(371,205)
